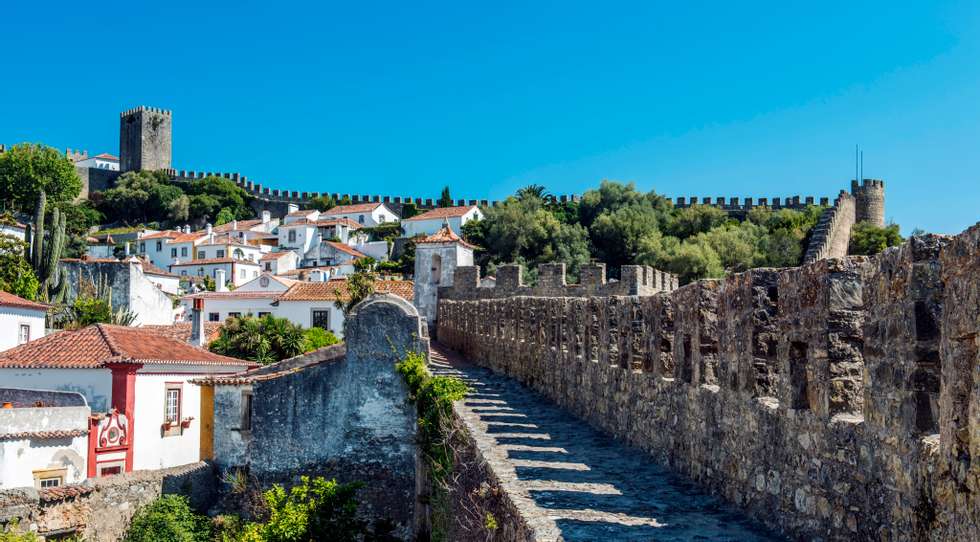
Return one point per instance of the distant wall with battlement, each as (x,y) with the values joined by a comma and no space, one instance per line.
(509,282)
(833,401)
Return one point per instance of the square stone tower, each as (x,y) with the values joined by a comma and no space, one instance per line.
(145,139)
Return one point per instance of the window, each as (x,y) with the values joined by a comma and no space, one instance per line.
(221,253)
(360,219)
(109,471)
(436,270)
(25,334)
(214,317)
(234,315)
(292,236)
(246,424)
(320,318)
(142,247)
(200,254)
(200,271)
(264,314)
(160,247)
(173,253)
(172,409)
(268,266)
(241,273)
(183,272)
(50,477)
(49,482)
(183,251)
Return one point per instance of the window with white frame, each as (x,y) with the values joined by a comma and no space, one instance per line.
(24,335)
(200,254)
(320,318)
(183,251)
(292,236)
(172,407)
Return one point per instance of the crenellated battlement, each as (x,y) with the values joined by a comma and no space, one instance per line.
(145,109)
(777,388)
(552,282)
(745,204)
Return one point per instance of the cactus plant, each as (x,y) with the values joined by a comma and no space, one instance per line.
(53,278)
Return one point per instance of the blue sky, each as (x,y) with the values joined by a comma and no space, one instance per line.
(402,98)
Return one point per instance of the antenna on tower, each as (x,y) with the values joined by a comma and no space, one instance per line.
(862,167)
(857,175)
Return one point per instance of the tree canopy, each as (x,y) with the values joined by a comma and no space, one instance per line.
(27,169)
(16,274)
(868,239)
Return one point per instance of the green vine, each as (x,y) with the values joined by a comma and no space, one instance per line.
(434,397)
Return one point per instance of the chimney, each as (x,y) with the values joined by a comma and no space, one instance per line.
(219,281)
(209,228)
(292,208)
(234,225)
(266,217)
(197,323)
(127,248)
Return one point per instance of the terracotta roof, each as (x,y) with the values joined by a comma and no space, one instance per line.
(107,156)
(442,212)
(273,255)
(327,291)
(347,249)
(61,493)
(327,354)
(166,234)
(233,295)
(241,225)
(150,269)
(8,299)
(188,237)
(444,235)
(302,270)
(101,345)
(181,331)
(44,435)
(101,240)
(302,212)
(208,261)
(347,209)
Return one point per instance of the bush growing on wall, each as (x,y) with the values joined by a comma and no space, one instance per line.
(169,518)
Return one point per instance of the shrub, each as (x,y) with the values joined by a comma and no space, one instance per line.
(169,518)
(316,338)
(868,239)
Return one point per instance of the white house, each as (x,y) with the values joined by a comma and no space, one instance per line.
(237,272)
(308,304)
(432,221)
(331,253)
(164,280)
(300,235)
(296,215)
(436,258)
(44,438)
(100,161)
(20,320)
(154,247)
(365,214)
(154,418)
(14,229)
(221,246)
(278,263)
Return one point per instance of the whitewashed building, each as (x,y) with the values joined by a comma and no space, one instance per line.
(236,272)
(136,380)
(365,214)
(20,320)
(436,258)
(278,263)
(432,221)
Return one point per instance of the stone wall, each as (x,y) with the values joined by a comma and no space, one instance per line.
(830,237)
(336,413)
(811,397)
(101,509)
(130,288)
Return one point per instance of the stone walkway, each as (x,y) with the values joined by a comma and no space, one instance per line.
(573,483)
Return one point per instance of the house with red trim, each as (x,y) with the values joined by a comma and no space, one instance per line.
(145,414)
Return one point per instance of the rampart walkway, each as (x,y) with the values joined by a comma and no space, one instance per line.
(571,482)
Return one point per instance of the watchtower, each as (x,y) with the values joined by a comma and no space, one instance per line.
(145,139)
(869,198)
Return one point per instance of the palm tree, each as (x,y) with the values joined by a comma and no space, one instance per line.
(534,191)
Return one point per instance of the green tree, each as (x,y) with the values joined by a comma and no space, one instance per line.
(80,217)
(690,221)
(143,196)
(323,202)
(169,518)
(868,239)
(613,195)
(533,191)
(616,234)
(16,274)
(409,210)
(28,169)
(316,338)
(224,216)
(358,287)
(445,200)
(211,194)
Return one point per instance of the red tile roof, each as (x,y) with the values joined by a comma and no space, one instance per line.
(189,237)
(241,225)
(347,249)
(273,255)
(107,156)
(233,295)
(328,291)
(442,212)
(8,299)
(166,234)
(181,331)
(302,212)
(355,208)
(150,269)
(102,345)
(444,235)
(339,221)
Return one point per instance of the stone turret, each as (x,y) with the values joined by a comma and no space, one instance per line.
(145,139)
(869,198)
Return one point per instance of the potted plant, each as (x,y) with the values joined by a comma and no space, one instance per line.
(186,422)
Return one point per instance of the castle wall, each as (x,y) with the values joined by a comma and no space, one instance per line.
(807,396)
(831,235)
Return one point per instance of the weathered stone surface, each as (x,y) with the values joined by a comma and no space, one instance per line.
(838,400)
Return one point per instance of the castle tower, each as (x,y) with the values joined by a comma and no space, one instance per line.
(144,139)
(436,259)
(869,202)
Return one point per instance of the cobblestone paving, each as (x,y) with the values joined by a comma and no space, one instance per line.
(573,483)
